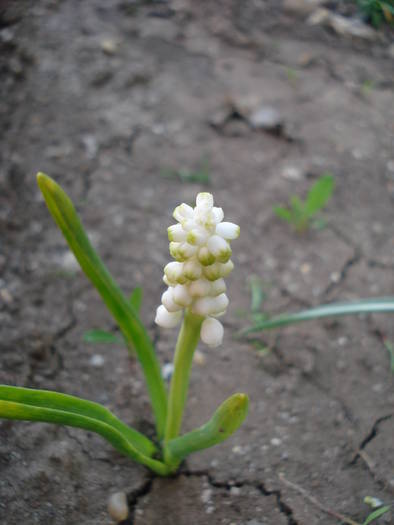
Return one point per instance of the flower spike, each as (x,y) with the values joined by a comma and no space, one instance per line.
(200,245)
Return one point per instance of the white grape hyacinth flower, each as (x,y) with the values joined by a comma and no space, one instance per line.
(200,245)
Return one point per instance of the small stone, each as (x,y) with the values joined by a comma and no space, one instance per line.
(305,268)
(235,491)
(276,442)
(335,277)
(206,495)
(351,27)
(390,166)
(90,144)
(199,358)
(6,296)
(117,507)
(68,262)
(267,118)
(167,371)
(97,360)
(292,173)
(210,509)
(109,46)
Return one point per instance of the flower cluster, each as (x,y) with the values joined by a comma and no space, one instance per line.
(199,243)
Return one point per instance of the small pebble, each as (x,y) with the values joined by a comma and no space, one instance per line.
(292,173)
(109,46)
(117,506)
(199,358)
(335,277)
(206,495)
(167,371)
(97,360)
(390,166)
(276,442)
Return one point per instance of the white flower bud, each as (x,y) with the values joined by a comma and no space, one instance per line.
(181,295)
(192,270)
(167,319)
(182,212)
(197,236)
(188,224)
(228,230)
(200,288)
(176,233)
(217,214)
(219,248)
(213,272)
(217,287)
(226,268)
(204,201)
(211,332)
(205,257)
(174,272)
(210,305)
(219,303)
(168,300)
(174,251)
(186,250)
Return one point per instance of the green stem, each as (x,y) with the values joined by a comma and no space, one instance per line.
(188,338)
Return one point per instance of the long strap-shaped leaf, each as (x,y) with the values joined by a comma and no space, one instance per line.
(52,407)
(63,211)
(377,305)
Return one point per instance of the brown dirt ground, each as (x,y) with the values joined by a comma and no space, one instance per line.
(103,96)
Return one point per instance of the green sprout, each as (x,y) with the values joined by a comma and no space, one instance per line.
(362,306)
(199,176)
(378,509)
(98,335)
(196,289)
(302,214)
(377,11)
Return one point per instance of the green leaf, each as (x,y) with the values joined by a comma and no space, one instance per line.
(367,306)
(136,299)
(257,293)
(225,421)
(284,214)
(319,194)
(390,348)
(101,336)
(376,514)
(297,204)
(65,216)
(62,409)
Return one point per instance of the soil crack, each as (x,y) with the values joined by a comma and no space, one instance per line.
(283,507)
(370,436)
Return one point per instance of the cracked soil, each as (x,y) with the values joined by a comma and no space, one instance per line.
(105,95)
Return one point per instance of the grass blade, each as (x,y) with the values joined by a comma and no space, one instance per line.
(65,216)
(319,194)
(377,305)
(283,213)
(136,299)
(376,514)
(101,336)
